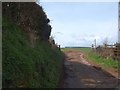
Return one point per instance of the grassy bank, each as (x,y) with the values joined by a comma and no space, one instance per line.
(24,66)
(94,57)
(107,63)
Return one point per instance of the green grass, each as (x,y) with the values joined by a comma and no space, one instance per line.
(92,56)
(27,67)
(109,63)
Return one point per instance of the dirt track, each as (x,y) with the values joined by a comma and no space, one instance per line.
(81,74)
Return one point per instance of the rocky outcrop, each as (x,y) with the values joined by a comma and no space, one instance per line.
(29,16)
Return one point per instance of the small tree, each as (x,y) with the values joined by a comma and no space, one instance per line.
(51,40)
(105,41)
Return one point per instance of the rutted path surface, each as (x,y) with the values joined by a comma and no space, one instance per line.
(81,74)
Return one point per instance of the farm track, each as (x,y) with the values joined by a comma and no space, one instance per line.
(78,73)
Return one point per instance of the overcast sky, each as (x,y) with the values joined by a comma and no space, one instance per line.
(79,23)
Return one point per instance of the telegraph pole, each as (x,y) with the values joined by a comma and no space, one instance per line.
(95,43)
(119,23)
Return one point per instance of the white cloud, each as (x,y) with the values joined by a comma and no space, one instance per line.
(81,30)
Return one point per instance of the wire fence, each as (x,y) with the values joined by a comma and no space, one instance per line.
(117,52)
(109,51)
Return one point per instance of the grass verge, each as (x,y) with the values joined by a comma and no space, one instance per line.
(27,67)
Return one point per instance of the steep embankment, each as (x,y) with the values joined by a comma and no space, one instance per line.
(28,59)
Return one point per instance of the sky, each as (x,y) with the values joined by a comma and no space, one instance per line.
(80,23)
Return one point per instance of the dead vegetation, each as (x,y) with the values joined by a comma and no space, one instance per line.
(108,51)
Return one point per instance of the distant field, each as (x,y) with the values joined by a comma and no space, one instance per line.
(92,56)
(85,49)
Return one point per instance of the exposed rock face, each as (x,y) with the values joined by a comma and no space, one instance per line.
(30,16)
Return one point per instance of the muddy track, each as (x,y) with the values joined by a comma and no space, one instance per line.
(78,73)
